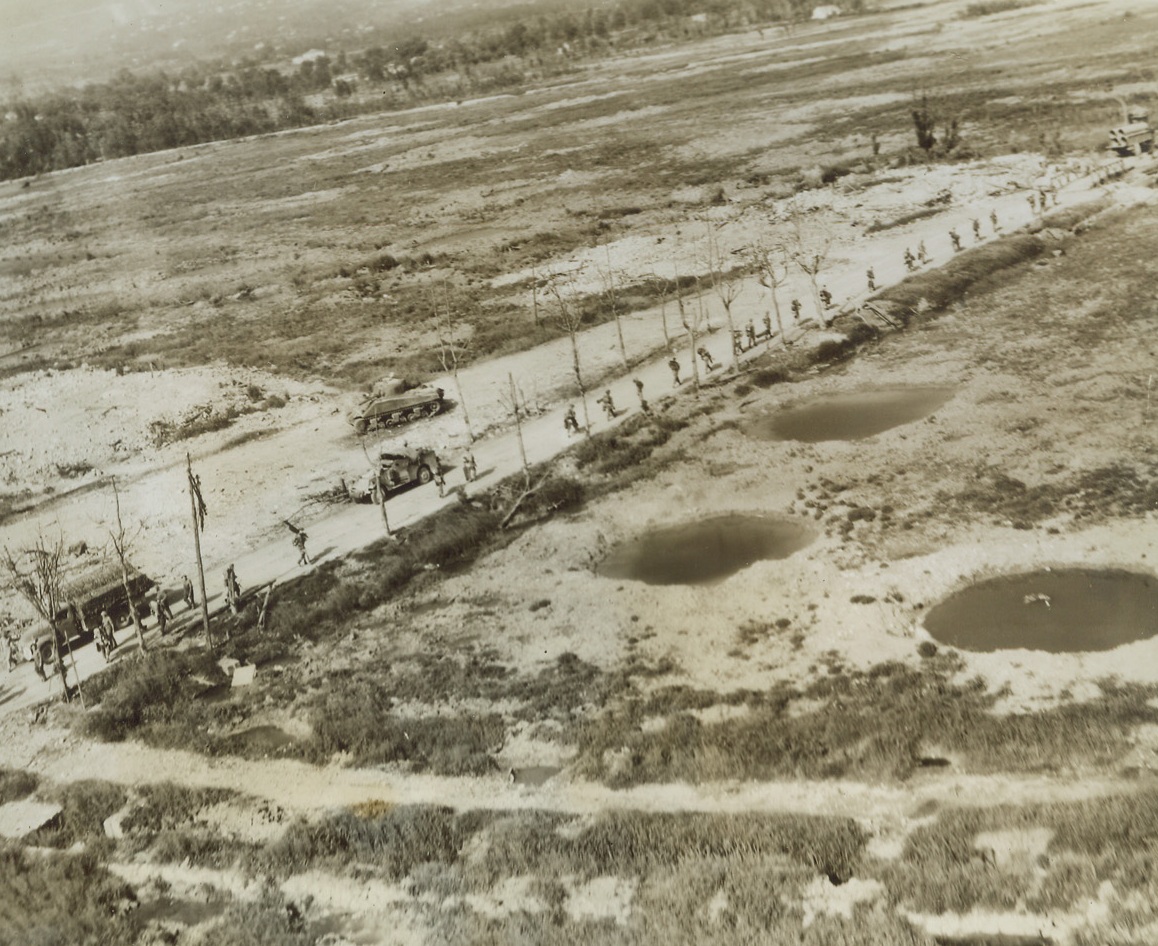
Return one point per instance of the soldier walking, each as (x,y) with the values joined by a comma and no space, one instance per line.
(871,276)
(570,421)
(706,358)
(910,260)
(440,480)
(608,405)
(469,468)
(796,310)
(187,593)
(674,365)
(751,330)
(993,220)
(164,611)
(922,253)
(108,635)
(300,544)
(643,405)
(767,325)
(956,238)
(826,298)
(232,588)
(976,230)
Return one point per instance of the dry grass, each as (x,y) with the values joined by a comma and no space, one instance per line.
(858,724)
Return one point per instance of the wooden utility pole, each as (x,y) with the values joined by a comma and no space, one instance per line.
(197,505)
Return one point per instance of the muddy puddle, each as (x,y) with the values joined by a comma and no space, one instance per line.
(1069,610)
(849,416)
(535,774)
(700,553)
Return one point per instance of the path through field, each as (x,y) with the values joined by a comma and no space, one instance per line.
(306,790)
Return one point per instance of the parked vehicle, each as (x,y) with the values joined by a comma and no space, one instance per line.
(397,470)
(392,403)
(86,595)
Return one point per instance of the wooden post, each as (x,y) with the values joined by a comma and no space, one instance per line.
(197,505)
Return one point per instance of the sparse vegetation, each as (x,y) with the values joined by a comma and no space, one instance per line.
(63,900)
(84,807)
(16,784)
(989,7)
(860,724)
(628,446)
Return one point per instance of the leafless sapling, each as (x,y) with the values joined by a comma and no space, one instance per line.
(725,287)
(611,298)
(662,284)
(691,321)
(771,266)
(810,249)
(40,583)
(568,317)
(122,547)
(451,351)
(513,400)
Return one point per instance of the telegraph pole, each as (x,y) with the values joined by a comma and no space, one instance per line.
(197,505)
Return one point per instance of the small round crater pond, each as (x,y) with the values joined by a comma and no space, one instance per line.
(703,552)
(1067,610)
(849,416)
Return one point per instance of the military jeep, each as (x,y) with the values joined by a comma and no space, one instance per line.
(397,470)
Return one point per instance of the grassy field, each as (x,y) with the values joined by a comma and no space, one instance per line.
(322,252)
(663,877)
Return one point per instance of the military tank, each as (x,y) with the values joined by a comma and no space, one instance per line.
(392,404)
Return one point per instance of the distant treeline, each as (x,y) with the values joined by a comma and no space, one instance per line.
(136,114)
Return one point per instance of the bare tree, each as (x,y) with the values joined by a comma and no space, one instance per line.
(611,297)
(726,288)
(663,308)
(691,322)
(451,351)
(810,251)
(122,546)
(569,318)
(513,400)
(535,293)
(771,266)
(40,584)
